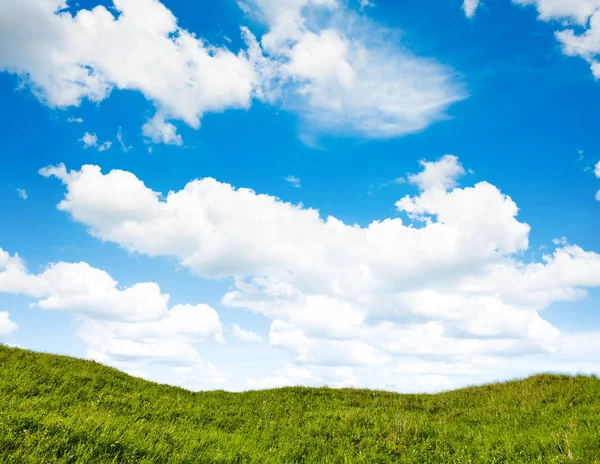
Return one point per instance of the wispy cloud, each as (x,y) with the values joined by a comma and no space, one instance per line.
(124,146)
(22,193)
(294,181)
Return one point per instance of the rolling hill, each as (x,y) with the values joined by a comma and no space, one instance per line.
(56,409)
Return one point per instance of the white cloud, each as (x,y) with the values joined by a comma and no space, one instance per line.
(598,195)
(168,340)
(417,378)
(67,58)
(585,45)
(470,7)
(22,194)
(80,288)
(294,181)
(451,288)
(342,74)
(246,335)
(91,141)
(104,146)
(6,325)
(578,11)
(75,120)
(126,327)
(121,141)
(160,131)
(365,3)
(438,175)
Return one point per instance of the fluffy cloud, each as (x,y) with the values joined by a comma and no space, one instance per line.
(137,45)
(6,325)
(586,45)
(470,7)
(91,140)
(441,174)
(448,286)
(125,327)
(342,75)
(246,335)
(80,288)
(160,131)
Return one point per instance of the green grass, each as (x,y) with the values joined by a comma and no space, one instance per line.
(62,410)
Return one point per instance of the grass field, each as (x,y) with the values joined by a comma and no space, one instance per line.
(62,410)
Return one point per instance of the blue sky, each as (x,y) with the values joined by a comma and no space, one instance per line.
(467,134)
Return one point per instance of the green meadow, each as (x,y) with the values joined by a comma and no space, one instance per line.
(56,409)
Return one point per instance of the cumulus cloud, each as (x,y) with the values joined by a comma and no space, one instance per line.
(136,45)
(80,288)
(160,131)
(441,174)
(585,45)
(450,285)
(127,327)
(246,335)
(470,7)
(6,325)
(340,73)
(91,141)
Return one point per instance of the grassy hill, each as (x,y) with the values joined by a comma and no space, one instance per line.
(62,410)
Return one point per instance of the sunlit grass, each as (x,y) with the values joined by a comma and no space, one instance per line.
(62,410)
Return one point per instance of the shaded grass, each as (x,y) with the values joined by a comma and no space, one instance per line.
(62,410)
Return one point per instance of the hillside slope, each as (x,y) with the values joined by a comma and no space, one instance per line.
(62,410)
